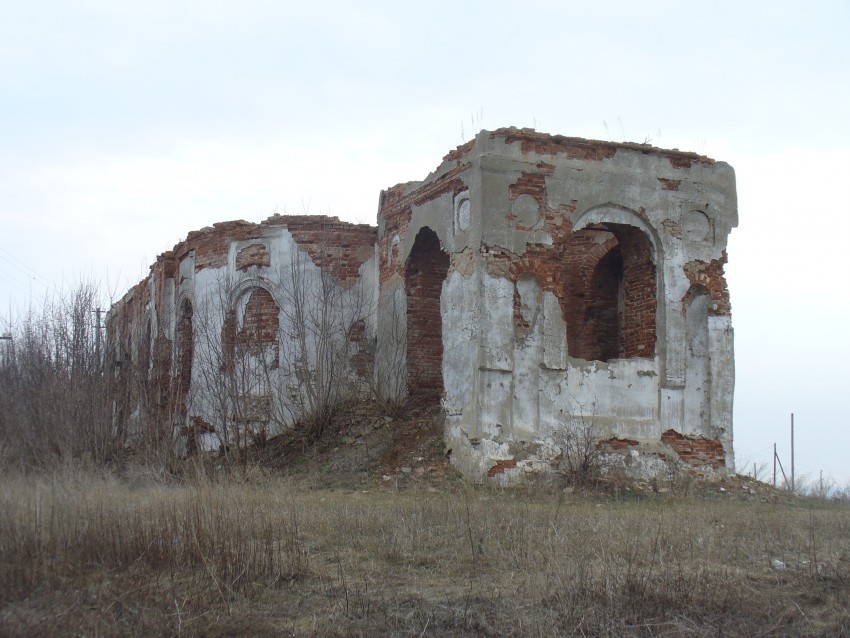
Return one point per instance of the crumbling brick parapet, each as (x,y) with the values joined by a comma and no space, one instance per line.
(594,150)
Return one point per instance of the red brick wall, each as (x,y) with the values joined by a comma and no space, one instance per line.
(212,244)
(363,355)
(696,451)
(338,247)
(639,291)
(260,329)
(253,255)
(531,183)
(615,443)
(593,313)
(602,327)
(228,342)
(710,275)
(161,376)
(261,321)
(425,271)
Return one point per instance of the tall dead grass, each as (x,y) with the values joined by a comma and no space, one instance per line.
(92,555)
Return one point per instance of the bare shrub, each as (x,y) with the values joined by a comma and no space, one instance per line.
(581,460)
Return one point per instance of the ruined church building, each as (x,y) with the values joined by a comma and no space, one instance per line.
(529,285)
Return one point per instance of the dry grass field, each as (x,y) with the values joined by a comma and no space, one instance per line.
(85,554)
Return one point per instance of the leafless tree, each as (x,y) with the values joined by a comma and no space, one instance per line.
(387,378)
(322,330)
(54,397)
(234,374)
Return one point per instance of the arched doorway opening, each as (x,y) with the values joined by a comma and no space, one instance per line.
(424,272)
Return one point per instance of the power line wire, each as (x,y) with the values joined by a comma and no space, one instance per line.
(21,263)
(13,282)
(30,275)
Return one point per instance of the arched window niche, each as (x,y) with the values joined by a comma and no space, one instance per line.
(613,308)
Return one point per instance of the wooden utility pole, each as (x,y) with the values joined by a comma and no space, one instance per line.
(781,469)
(792,451)
(774,465)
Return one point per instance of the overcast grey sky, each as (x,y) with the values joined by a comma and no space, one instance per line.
(124,125)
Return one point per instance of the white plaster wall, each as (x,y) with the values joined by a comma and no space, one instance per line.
(527,357)
(459,305)
(369,283)
(530,388)
(697,420)
(522,400)
(209,298)
(722,367)
(391,346)
(497,330)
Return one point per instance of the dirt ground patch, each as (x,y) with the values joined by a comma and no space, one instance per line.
(365,446)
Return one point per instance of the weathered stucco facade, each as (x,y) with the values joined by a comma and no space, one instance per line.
(532,284)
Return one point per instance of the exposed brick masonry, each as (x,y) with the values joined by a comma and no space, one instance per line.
(501,466)
(260,330)
(336,245)
(261,321)
(710,275)
(253,255)
(425,272)
(615,443)
(397,210)
(532,183)
(697,451)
